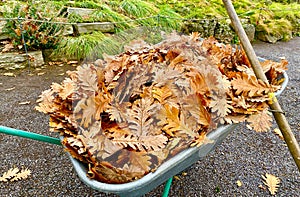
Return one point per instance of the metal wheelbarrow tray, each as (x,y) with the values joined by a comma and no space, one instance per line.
(168,169)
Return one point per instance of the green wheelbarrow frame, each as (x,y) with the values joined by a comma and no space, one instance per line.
(163,173)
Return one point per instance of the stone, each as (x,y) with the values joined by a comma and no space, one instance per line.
(14,60)
(104,27)
(3,36)
(263,36)
(250,31)
(68,30)
(205,28)
(80,11)
(50,56)
(223,32)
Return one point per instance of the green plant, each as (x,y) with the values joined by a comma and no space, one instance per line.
(87,46)
(33,27)
(105,14)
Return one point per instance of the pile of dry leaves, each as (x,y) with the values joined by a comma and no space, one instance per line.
(125,115)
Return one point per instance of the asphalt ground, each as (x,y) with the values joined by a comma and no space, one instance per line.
(244,155)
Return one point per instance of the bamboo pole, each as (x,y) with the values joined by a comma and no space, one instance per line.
(275,107)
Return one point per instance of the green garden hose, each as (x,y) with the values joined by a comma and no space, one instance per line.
(167,187)
(26,134)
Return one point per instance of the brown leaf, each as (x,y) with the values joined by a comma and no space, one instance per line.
(18,32)
(272,182)
(72,62)
(201,140)
(250,85)
(278,133)
(24,103)
(10,89)
(221,106)
(88,77)
(46,102)
(23,174)
(194,104)
(9,174)
(97,143)
(135,161)
(172,123)
(260,121)
(42,73)
(8,47)
(161,94)
(67,88)
(9,74)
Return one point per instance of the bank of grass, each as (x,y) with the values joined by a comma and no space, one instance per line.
(270,17)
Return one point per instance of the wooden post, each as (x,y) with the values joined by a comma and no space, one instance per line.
(275,107)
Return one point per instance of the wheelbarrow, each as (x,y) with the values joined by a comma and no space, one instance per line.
(173,166)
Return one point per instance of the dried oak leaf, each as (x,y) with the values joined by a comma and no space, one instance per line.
(9,174)
(97,143)
(194,104)
(161,94)
(250,85)
(46,102)
(201,140)
(13,174)
(171,121)
(260,121)
(91,108)
(142,143)
(133,161)
(7,47)
(23,174)
(68,87)
(117,111)
(107,173)
(221,105)
(272,182)
(87,76)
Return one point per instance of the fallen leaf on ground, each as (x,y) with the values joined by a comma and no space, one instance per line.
(54,63)
(24,103)
(9,174)
(278,132)
(8,47)
(61,74)
(262,187)
(14,174)
(9,74)
(272,182)
(31,58)
(9,89)
(176,177)
(239,183)
(72,62)
(39,74)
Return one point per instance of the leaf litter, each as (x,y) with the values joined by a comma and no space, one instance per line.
(131,112)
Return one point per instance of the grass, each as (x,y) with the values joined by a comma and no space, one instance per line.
(86,46)
(270,17)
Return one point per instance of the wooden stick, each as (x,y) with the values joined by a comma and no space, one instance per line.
(275,107)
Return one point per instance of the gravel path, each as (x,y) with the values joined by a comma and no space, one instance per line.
(244,155)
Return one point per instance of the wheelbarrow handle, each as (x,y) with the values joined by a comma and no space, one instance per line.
(30,135)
